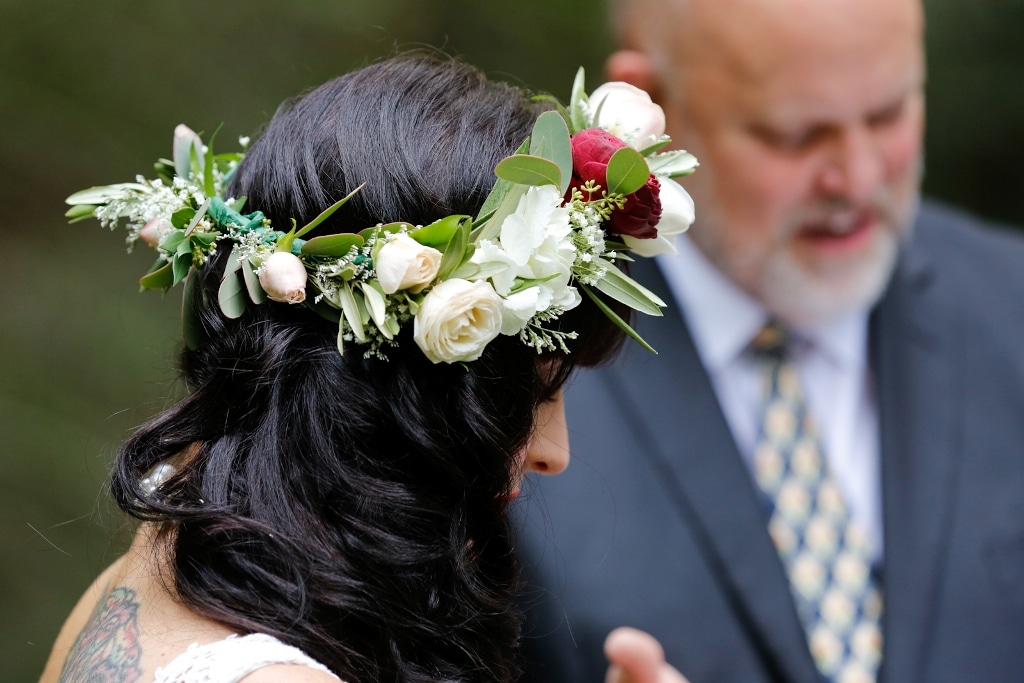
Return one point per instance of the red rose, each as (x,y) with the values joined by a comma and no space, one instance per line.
(591,150)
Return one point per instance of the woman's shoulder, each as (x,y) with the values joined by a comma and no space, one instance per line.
(254,658)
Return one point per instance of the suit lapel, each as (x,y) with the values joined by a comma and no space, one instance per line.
(703,473)
(918,378)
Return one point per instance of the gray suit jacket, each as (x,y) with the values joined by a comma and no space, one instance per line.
(657,524)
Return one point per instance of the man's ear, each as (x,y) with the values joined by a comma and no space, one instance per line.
(634,67)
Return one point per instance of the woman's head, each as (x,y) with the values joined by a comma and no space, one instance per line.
(350,505)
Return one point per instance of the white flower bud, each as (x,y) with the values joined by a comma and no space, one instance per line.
(283,277)
(404,263)
(628,113)
(456,320)
(677,214)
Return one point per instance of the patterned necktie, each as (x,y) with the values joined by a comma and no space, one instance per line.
(824,551)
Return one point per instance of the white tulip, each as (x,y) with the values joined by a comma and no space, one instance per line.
(456,320)
(404,263)
(677,215)
(283,277)
(628,113)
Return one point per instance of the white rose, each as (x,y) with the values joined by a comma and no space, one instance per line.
(628,113)
(283,277)
(404,263)
(677,214)
(456,320)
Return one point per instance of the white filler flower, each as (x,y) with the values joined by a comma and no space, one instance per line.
(456,320)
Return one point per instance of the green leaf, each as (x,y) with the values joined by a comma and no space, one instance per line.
(199,216)
(172,240)
(624,289)
(525,169)
(252,283)
(577,103)
(627,171)
(341,336)
(180,265)
(103,193)
(377,307)
(161,278)
(526,284)
(332,245)
(439,233)
(232,295)
(614,317)
(326,213)
(191,325)
(80,212)
(209,187)
(674,164)
(550,140)
(238,204)
(492,228)
(498,192)
(182,217)
(353,315)
(455,251)
(654,147)
(378,230)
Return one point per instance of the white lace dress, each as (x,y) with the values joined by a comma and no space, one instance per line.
(231,659)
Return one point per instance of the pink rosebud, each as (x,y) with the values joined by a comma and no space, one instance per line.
(153,231)
(283,277)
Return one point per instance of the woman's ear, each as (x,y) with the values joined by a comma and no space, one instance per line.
(634,67)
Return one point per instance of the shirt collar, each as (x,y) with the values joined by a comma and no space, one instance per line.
(723,318)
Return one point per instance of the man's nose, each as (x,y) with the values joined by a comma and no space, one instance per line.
(853,165)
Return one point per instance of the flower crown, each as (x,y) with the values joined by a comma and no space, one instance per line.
(587,187)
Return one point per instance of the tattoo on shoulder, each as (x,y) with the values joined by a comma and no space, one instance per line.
(108,649)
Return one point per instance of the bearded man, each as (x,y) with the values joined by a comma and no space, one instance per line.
(821,476)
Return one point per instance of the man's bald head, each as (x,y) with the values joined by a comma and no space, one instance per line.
(807,118)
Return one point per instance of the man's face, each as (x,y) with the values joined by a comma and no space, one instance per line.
(807,118)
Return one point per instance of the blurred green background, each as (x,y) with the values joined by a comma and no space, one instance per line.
(89,94)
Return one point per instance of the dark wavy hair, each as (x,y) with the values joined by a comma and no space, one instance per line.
(355,507)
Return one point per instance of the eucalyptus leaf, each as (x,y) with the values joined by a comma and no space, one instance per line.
(332,245)
(321,307)
(498,192)
(550,140)
(352,313)
(232,295)
(180,265)
(172,240)
(627,171)
(526,169)
(674,164)
(455,251)
(161,278)
(614,317)
(624,289)
(326,213)
(192,329)
(233,264)
(252,283)
(182,217)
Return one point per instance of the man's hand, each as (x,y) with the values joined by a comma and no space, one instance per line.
(637,657)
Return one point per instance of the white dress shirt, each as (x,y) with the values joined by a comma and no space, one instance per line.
(831,359)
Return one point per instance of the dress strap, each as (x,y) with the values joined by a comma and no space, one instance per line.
(229,660)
